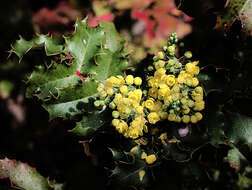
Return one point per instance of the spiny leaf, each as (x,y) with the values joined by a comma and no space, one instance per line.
(210,82)
(245,16)
(236,159)
(24,176)
(22,46)
(90,123)
(245,182)
(136,175)
(117,155)
(236,9)
(215,122)
(67,86)
(240,129)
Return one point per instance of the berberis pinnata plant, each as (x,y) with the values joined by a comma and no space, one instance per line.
(157,116)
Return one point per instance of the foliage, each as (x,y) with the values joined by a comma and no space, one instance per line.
(24,176)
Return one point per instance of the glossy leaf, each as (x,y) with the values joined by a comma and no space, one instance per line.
(24,176)
(67,85)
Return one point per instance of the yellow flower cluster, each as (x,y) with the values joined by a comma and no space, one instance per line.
(176,89)
(126,100)
(173,93)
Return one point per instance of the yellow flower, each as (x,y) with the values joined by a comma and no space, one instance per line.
(199,105)
(135,104)
(129,79)
(112,81)
(195,82)
(122,127)
(150,159)
(151,81)
(115,122)
(139,109)
(199,90)
(160,72)
(181,79)
(127,111)
(186,111)
(190,103)
(118,98)
(115,114)
(188,54)
(120,80)
(138,93)
(171,49)
(133,96)
(153,92)
(189,81)
(143,155)
(198,98)
(194,119)
(121,108)
(133,133)
(171,117)
(149,104)
(112,105)
(170,80)
(124,89)
(123,115)
(138,81)
(159,64)
(141,175)
(186,118)
(161,55)
(192,68)
(126,101)
(110,91)
(168,99)
(164,91)
(153,117)
(198,115)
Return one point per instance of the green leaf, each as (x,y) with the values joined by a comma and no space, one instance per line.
(131,175)
(24,176)
(67,86)
(90,123)
(245,182)
(210,82)
(236,9)
(235,159)
(117,155)
(173,152)
(215,122)
(5,88)
(22,46)
(240,129)
(245,16)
